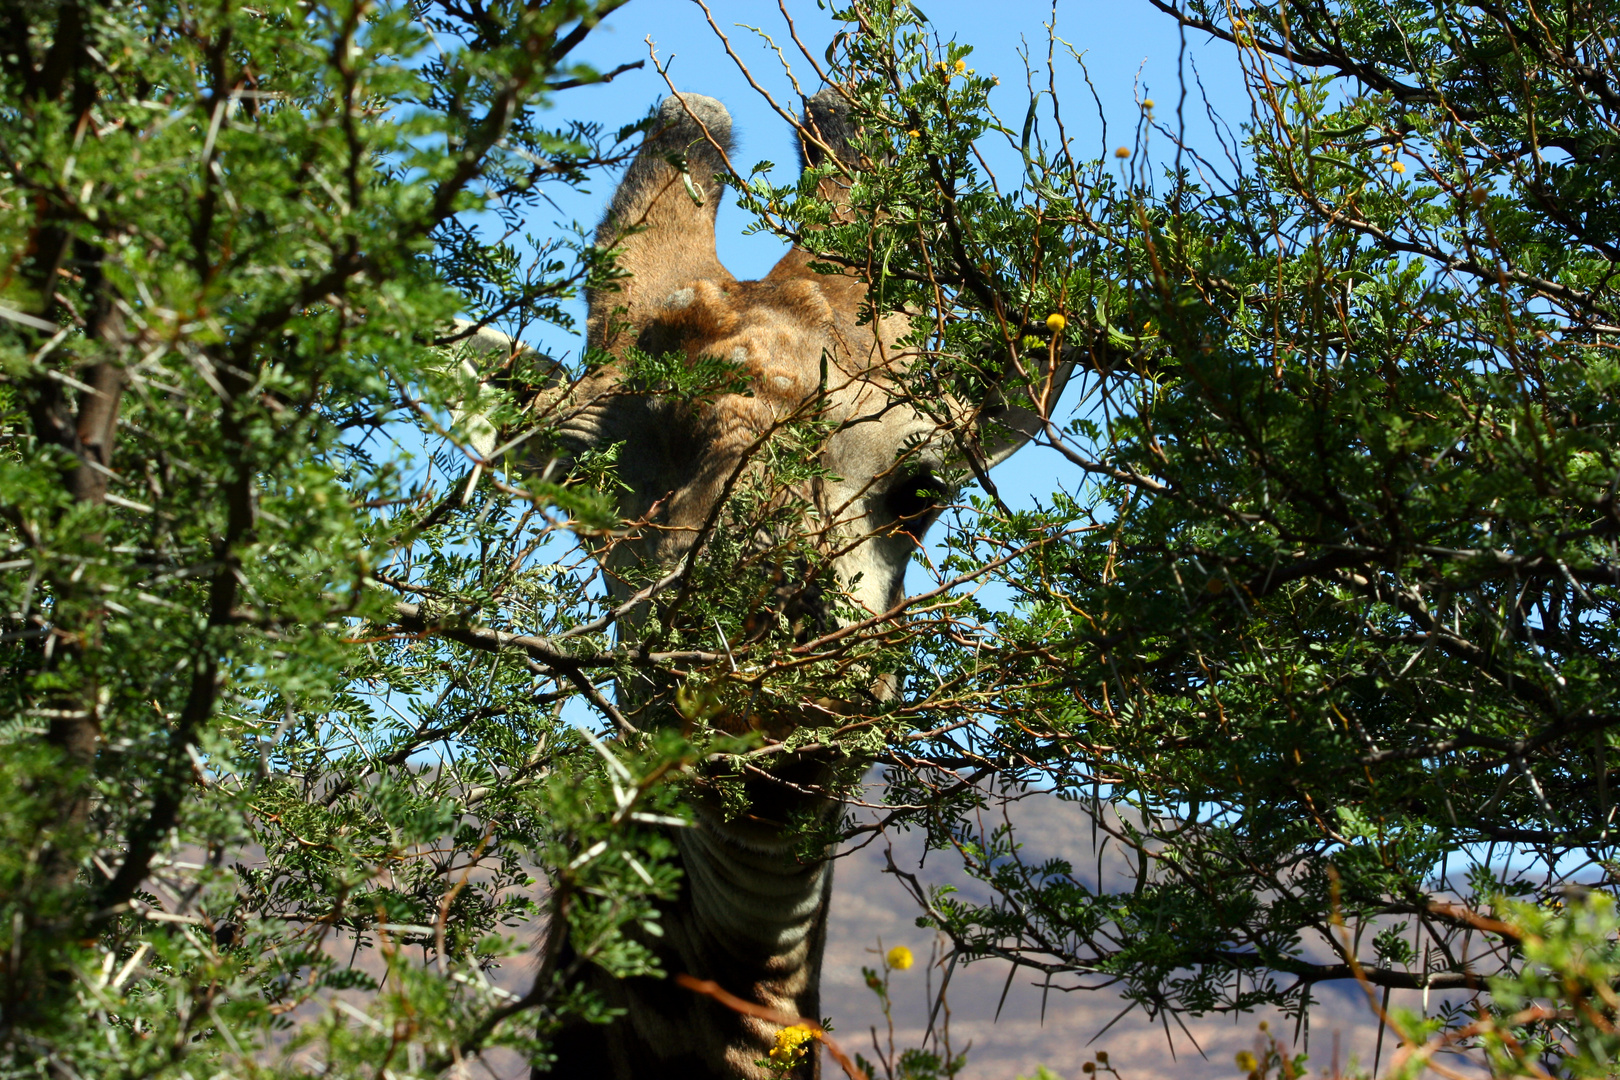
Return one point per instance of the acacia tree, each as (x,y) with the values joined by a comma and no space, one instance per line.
(1324,639)
(234,240)
(1321,637)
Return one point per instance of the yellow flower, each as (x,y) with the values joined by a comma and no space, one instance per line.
(1397,166)
(1245,1061)
(914,133)
(1122,152)
(899,958)
(1056,322)
(961,66)
(790,1043)
(1147,104)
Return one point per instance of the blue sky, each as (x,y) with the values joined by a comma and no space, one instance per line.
(1123,41)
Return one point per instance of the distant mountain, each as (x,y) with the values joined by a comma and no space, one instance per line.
(870,904)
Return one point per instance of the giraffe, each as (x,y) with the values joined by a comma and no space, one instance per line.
(751,916)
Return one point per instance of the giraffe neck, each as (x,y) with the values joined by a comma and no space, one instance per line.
(750,917)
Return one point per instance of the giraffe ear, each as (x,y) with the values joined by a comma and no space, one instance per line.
(1018,405)
(497,362)
(661,219)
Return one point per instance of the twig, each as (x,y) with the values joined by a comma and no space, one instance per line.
(731,1001)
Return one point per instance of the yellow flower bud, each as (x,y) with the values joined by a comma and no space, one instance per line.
(1056,322)
(1122,152)
(1148,103)
(790,1043)
(899,958)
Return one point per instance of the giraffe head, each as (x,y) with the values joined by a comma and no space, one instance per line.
(810,369)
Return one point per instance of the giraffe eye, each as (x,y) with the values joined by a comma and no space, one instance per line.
(916,498)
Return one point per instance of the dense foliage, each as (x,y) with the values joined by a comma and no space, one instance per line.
(303,695)
(233,235)
(1324,641)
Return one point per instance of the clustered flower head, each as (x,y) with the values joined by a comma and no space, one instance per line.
(1055,322)
(1246,1062)
(899,958)
(792,1043)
